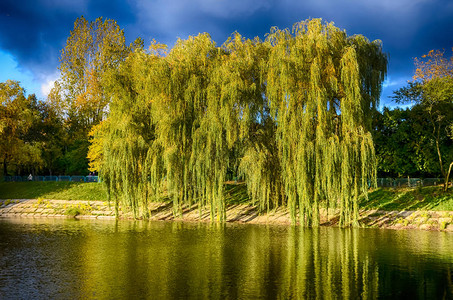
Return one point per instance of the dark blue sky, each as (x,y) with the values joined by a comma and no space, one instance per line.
(32,32)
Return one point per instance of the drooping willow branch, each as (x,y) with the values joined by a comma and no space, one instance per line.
(294,110)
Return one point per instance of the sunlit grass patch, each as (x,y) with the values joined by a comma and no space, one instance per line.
(53,190)
(424,198)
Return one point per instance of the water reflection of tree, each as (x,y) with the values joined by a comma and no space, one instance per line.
(218,261)
(366,264)
(326,264)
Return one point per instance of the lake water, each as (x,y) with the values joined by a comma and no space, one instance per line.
(84,259)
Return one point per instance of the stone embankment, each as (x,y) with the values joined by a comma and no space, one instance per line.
(40,208)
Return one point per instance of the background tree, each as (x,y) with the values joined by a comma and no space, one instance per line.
(51,133)
(402,142)
(432,89)
(14,120)
(21,134)
(92,50)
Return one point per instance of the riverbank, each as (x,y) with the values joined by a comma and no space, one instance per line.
(427,208)
(430,198)
(242,213)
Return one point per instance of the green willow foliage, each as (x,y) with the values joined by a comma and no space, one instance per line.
(322,86)
(295,109)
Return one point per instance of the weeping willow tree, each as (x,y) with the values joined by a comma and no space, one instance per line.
(295,107)
(321,86)
(131,164)
(181,114)
(174,120)
(209,104)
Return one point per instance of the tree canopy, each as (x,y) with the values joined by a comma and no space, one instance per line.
(28,131)
(290,113)
(432,90)
(93,49)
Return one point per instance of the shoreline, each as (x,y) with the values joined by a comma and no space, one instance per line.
(240,213)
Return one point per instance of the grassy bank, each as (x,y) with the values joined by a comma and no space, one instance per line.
(400,199)
(53,190)
(388,199)
(403,199)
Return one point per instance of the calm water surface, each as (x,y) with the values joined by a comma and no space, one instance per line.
(70,259)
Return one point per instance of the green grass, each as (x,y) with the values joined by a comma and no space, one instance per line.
(236,194)
(425,198)
(53,190)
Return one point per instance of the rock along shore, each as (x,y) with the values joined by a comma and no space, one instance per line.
(40,208)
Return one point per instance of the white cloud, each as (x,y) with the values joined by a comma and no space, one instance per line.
(48,84)
(47,87)
(399,81)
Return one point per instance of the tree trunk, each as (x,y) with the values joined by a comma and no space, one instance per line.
(5,166)
(444,174)
(447,178)
(436,135)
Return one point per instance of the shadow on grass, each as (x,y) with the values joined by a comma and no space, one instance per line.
(236,193)
(401,199)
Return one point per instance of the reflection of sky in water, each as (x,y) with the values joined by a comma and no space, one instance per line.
(52,258)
